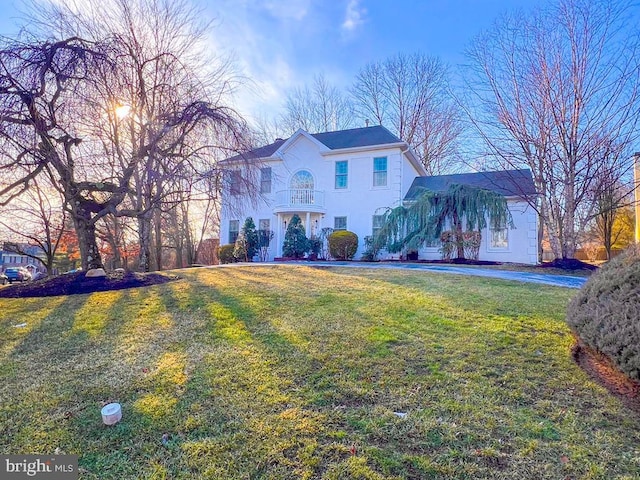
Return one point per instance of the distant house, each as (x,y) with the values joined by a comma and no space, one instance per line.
(346,180)
(12,259)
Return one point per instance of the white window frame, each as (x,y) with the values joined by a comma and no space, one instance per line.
(491,245)
(265,179)
(335,228)
(375,229)
(376,173)
(236,230)
(344,175)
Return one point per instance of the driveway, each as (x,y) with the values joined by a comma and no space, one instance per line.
(528,277)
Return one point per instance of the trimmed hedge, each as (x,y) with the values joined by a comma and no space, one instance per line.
(225,253)
(343,244)
(605,315)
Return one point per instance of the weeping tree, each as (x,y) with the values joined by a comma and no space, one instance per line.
(410,226)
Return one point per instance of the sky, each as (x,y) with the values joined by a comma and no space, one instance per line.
(283,44)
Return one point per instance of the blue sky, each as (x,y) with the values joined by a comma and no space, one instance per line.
(280,44)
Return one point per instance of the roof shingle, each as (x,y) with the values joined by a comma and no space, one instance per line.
(510,183)
(351,138)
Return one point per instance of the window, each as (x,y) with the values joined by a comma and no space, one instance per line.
(265,180)
(339,223)
(302,192)
(342,171)
(234,229)
(303,180)
(264,236)
(235,182)
(432,242)
(380,172)
(499,238)
(378,221)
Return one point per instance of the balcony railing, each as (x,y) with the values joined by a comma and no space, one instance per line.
(300,199)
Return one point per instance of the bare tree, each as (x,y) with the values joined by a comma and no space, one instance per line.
(409,95)
(611,201)
(40,82)
(161,112)
(35,219)
(319,108)
(554,88)
(267,130)
(116,233)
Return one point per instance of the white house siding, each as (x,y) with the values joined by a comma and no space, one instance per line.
(522,240)
(358,202)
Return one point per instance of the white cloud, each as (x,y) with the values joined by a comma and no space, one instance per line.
(262,48)
(287,10)
(354,16)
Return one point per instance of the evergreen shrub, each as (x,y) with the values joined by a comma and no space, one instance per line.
(296,243)
(343,244)
(605,315)
(225,253)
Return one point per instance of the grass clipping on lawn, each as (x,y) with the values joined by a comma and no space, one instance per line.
(294,372)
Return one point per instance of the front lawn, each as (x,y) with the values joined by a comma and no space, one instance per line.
(292,372)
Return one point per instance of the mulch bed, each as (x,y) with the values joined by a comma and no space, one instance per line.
(569,264)
(77,283)
(604,372)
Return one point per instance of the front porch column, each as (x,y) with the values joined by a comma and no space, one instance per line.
(307,225)
(278,229)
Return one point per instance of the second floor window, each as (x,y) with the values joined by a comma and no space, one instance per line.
(380,172)
(302,180)
(235,182)
(342,172)
(265,180)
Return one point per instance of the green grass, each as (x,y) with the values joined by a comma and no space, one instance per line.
(292,372)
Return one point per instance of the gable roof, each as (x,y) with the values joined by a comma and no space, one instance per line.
(351,138)
(510,183)
(357,137)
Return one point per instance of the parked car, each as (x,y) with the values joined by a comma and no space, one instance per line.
(17,274)
(3,279)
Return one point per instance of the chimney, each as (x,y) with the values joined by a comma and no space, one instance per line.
(636,192)
(366,122)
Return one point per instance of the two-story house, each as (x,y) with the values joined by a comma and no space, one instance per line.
(346,180)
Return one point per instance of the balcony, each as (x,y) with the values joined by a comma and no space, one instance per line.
(299,200)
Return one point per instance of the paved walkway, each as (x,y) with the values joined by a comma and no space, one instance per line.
(528,277)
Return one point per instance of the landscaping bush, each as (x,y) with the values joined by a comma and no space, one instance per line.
(247,242)
(225,253)
(296,243)
(371,249)
(604,315)
(343,244)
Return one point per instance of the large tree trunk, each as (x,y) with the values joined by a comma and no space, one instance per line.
(157,224)
(457,232)
(144,237)
(189,243)
(86,231)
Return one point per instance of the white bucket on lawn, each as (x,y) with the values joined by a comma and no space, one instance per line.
(111,413)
